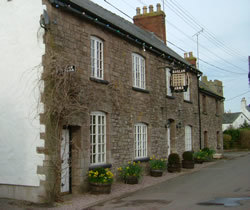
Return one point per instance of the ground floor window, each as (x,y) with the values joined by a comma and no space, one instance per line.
(97,138)
(140,140)
(188,138)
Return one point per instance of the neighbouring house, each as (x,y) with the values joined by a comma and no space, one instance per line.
(211,109)
(108,98)
(236,119)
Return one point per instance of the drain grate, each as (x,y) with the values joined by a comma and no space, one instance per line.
(228,202)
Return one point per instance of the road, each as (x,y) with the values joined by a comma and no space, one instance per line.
(225,179)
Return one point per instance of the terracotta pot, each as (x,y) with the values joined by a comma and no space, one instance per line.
(174,167)
(156,172)
(189,164)
(131,180)
(100,188)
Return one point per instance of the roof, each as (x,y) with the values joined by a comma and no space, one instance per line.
(229,118)
(125,26)
(205,89)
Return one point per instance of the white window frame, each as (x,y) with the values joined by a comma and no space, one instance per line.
(97,138)
(139,76)
(141,141)
(187,94)
(188,138)
(97,70)
(168,82)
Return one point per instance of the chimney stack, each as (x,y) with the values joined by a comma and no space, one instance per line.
(153,21)
(190,58)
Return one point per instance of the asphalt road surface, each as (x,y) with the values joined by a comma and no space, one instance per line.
(228,181)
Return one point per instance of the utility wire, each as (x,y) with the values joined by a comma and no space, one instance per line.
(238,96)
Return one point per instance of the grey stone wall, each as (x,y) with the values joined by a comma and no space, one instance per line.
(70,36)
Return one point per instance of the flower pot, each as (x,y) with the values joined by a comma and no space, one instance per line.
(131,180)
(100,188)
(189,164)
(156,172)
(176,167)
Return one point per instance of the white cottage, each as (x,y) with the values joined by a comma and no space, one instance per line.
(21,56)
(236,119)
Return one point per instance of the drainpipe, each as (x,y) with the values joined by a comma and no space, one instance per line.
(199,108)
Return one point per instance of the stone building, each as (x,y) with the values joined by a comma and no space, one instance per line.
(124,70)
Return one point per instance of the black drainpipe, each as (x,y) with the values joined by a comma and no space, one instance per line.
(199,108)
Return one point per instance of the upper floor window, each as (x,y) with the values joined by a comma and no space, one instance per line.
(204,104)
(140,140)
(187,94)
(96,58)
(97,138)
(168,77)
(188,138)
(138,66)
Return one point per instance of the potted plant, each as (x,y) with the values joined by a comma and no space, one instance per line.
(174,163)
(131,172)
(100,180)
(157,166)
(199,157)
(188,160)
(209,153)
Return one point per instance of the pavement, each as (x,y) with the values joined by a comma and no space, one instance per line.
(119,189)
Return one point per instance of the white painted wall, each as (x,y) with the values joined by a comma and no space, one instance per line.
(244,109)
(21,51)
(237,123)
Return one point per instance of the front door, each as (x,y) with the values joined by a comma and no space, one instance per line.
(65,161)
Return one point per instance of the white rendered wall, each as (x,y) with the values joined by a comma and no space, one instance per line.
(21,50)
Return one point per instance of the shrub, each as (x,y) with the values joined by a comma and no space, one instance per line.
(188,155)
(174,158)
(245,138)
(200,155)
(208,153)
(155,163)
(235,134)
(226,141)
(131,169)
(100,175)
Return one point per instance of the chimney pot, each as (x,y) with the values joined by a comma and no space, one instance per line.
(190,54)
(151,8)
(158,7)
(138,11)
(185,55)
(144,10)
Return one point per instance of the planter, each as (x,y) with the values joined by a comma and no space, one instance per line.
(174,167)
(100,188)
(199,161)
(131,180)
(156,172)
(189,164)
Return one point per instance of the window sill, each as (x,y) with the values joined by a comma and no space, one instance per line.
(144,159)
(140,90)
(105,82)
(170,97)
(104,165)
(189,102)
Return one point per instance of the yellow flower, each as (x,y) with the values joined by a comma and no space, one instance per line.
(139,162)
(129,162)
(127,167)
(134,163)
(161,159)
(165,159)
(150,158)
(119,169)
(153,156)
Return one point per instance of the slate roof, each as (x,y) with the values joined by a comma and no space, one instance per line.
(229,118)
(128,27)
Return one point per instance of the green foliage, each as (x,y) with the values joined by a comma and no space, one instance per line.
(100,175)
(235,134)
(131,169)
(174,158)
(208,153)
(155,163)
(200,155)
(245,138)
(188,155)
(226,141)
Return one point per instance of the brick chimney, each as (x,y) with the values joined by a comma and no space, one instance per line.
(190,58)
(153,21)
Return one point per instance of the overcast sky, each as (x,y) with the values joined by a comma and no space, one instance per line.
(224,44)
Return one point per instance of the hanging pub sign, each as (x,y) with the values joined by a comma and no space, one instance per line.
(179,80)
